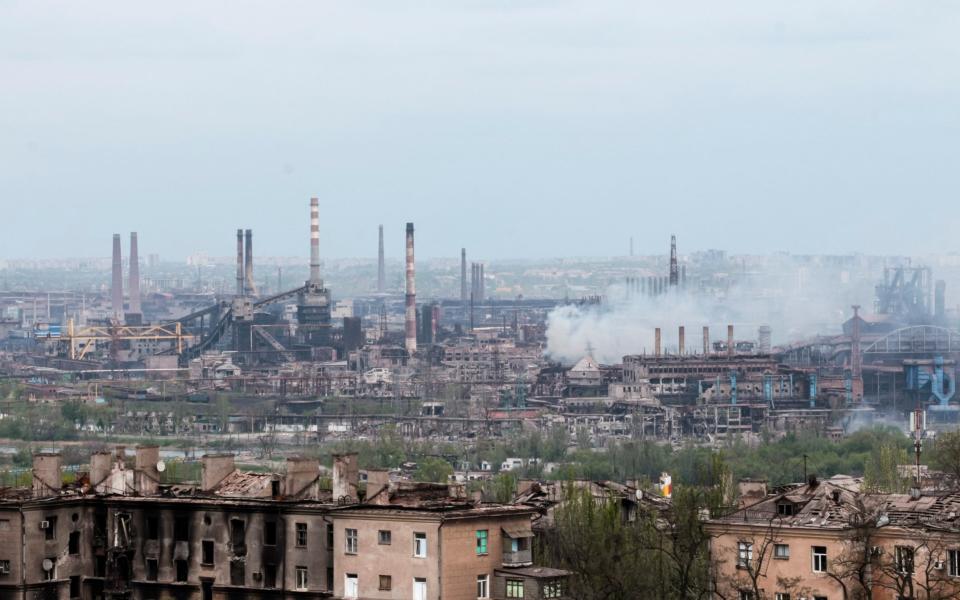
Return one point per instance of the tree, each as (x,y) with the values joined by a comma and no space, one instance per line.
(433,469)
(882,474)
(946,453)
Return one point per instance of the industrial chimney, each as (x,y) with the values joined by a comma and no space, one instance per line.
(411,316)
(117,289)
(463,276)
(248,264)
(240,286)
(706,340)
(381,267)
(656,342)
(314,242)
(674,270)
(134,275)
(731,345)
(682,341)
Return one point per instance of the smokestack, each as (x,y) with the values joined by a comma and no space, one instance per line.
(117,290)
(463,275)
(764,336)
(134,275)
(314,244)
(656,342)
(706,340)
(411,318)
(381,267)
(855,356)
(248,264)
(483,284)
(940,299)
(674,271)
(730,343)
(681,343)
(241,289)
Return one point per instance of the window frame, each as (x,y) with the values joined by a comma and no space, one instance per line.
(384,537)
(351,541)
(301,580)
(268,527)
(510,590)
(419,544)
(301,535)
(777,554)
(482,542)
(819,559)
(744,554)
(904,559)
(953,562)
(385,583)
(483,587)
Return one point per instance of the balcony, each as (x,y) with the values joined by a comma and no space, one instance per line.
(518,558)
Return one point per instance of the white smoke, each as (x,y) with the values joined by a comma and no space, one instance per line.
(622,326)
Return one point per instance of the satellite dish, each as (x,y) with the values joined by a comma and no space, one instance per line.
(161,466)
(47,564)
(639,494)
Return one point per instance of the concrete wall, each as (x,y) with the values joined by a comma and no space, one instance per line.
(460,562)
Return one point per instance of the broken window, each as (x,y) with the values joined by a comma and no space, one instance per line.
(181,529)
(206,552)
(50,532)
(182,570)
(819,559)
(330,535)
(744,554)
(153,528)
(100,566)
(153,569)
(904,558)
(238,572)
(74,586)
(238,535)
(270,533)
(73,545)
(269,576)
(301,534)
(206,590)
(953,563)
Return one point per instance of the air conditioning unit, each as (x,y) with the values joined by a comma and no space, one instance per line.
(938,565)
(876,551)
(5,569)
(44,524)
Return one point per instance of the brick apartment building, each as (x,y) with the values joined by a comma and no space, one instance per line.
(119,533)
(829,540)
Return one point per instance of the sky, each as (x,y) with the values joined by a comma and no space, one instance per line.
(516,128)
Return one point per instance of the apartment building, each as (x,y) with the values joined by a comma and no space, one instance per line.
(830,540)
(119,532)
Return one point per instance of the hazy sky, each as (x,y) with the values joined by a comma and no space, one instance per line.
(516,128)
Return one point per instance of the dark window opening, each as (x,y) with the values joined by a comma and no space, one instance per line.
(51,531)
(74,586)
(330,579)
(269,576)
(206,552)
(153,528)
(238,535)
(301,534)
(181,571)
(206,589)
(73,546)
(275,488)
(238,575)
(270,533)
(386,583)
(181,529)
(329,535)
(152,569)
(100,566)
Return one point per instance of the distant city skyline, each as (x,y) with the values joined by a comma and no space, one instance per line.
(528,129)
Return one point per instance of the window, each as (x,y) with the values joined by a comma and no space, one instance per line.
(152,569)
(746,595)
(181,571)
(953,563)
(74,586)
(100,566)
(301,535)
(206,589)
(303,580)
(238,533)
(386,583)
(904,558)
(51,532)
(514,588)
(785,509)
(781,551)
(419,589)
(330,579)
(350,538)
(153,528)
(420,545)
(238,572)
(744,554)
(270,533)
(384,537)
(181,529)
(269,576)
(73,545)
(781,596)
(552,588)
(206,552)
(351,586)
(819,559)
(483,586)
(482,535)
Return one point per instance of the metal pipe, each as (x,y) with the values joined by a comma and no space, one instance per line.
(411,313)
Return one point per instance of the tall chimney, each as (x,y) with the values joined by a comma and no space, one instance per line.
(463,275)
(314,243)
(248,264)
(680,344)
(731,345)
(411,318)
(674,270)
(483,283)
(381,267)
(856,359)
(134,275)
(656,342)
(117,289)
(241,288)
(706,340)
